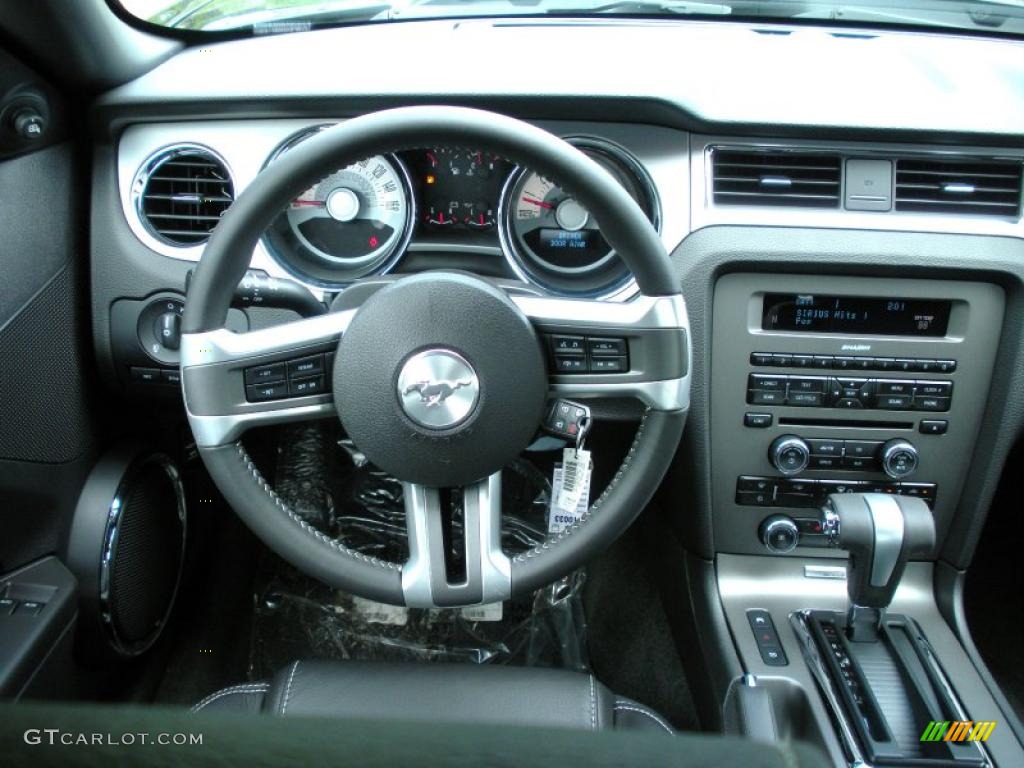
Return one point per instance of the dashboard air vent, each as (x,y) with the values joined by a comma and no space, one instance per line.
(182,193)
(765,177)
(958,186)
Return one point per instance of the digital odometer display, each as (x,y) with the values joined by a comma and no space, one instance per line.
(855,315)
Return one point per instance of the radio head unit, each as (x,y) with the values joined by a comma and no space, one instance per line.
(855,315)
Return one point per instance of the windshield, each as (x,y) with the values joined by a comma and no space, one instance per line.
(269,16)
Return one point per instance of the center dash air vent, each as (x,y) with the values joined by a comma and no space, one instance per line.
(182,193)
(765,177)
(958,186)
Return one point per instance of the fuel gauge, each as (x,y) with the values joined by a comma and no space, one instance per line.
(441,215)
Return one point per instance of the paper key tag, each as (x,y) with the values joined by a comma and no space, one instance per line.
(380,613)
(575,477)
(558,518)
(487,612)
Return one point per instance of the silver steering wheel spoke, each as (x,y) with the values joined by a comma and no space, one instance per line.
(656,359)
(432,577)
(222,402)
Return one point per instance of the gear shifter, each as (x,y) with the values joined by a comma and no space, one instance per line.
(881,532)
(879,676)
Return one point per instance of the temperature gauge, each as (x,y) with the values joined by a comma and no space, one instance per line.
(480,216)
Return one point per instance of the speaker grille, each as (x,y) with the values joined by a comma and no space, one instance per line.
(145,556)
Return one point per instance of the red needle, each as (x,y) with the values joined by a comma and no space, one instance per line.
(308,202)
(541,203)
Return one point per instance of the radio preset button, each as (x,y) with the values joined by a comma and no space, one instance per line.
(803,361)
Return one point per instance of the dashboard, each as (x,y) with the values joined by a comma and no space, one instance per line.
(791,217)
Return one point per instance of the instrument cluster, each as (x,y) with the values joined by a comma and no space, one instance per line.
(361,220)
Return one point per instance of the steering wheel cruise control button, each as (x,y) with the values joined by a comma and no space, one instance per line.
(265,374)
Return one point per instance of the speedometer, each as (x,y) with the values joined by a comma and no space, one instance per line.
(553,241)
(354,222)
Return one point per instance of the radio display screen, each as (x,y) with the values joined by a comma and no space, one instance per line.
(855,315)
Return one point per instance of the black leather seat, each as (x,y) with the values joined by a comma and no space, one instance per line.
(438,693)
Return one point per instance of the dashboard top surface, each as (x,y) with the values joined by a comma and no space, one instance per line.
(825,80)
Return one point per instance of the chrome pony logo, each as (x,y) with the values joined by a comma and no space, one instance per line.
(436,392)
(438,388)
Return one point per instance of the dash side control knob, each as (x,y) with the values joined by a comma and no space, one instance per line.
(789,454)
(29,124)
(168,330)
(899,458)
(779,534)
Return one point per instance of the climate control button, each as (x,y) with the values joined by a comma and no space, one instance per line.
(779,534)
(899,458)
(789,454)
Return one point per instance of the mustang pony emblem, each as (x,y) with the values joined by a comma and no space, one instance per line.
(435,392)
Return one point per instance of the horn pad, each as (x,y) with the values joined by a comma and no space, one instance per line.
(440,379)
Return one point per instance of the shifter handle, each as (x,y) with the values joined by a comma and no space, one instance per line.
(881,532)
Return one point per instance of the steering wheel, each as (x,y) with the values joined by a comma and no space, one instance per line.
(439,378)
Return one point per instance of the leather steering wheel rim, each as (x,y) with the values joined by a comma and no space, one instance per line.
(226,259)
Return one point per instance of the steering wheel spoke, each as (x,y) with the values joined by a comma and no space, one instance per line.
(434,576)
(598,349)
(233,382)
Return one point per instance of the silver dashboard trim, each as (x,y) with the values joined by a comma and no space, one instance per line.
(705,213)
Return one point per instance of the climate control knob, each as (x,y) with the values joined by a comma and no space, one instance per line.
(779,534)
(789,454)
(899,458)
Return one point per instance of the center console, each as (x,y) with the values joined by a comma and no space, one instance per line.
(825,385)
(844,413)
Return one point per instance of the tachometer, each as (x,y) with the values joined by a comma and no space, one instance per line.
(553,241)
(354,222)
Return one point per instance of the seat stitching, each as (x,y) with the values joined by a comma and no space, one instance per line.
(288,688)
(619,706)
(246,688)
(563,535)
(788,756)
(265,486)
(593,705)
